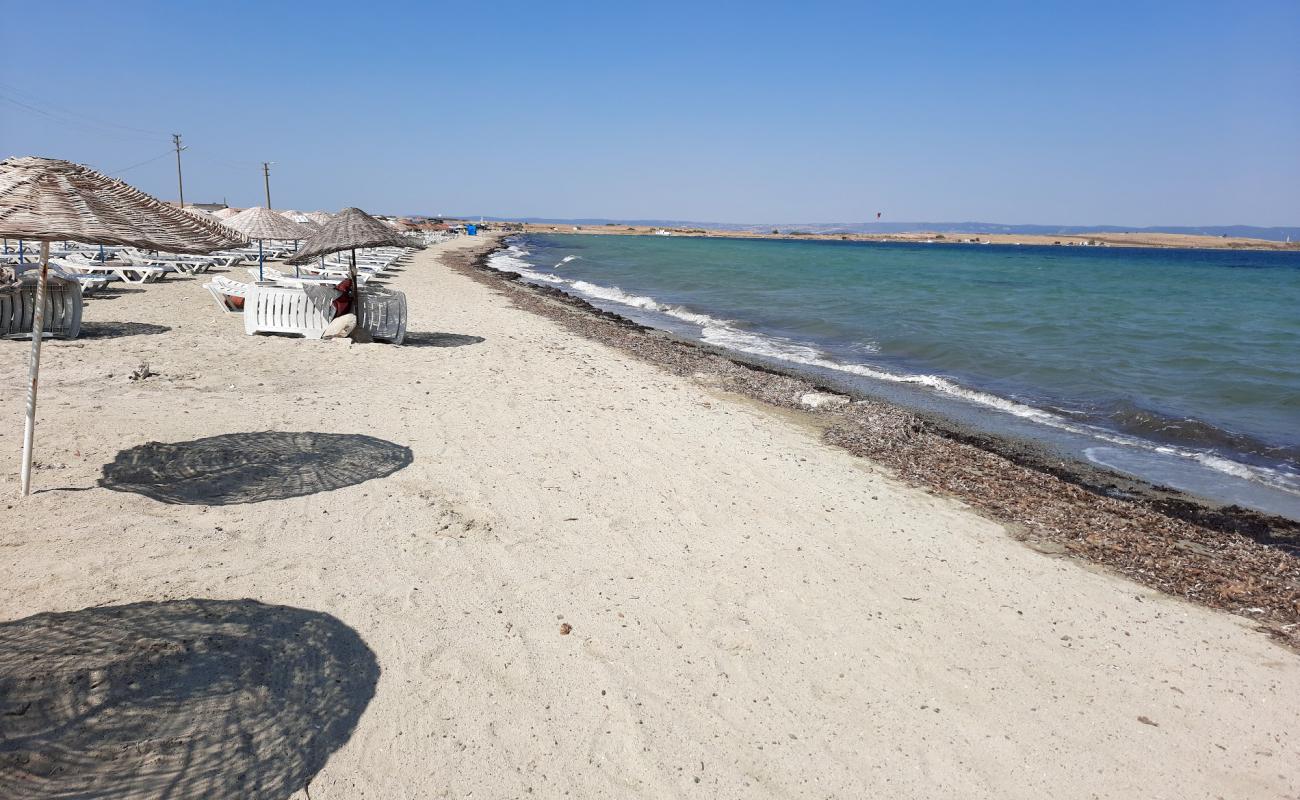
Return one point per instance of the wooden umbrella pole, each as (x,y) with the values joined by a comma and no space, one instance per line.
(34,370)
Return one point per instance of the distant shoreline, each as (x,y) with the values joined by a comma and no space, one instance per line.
(1152,240)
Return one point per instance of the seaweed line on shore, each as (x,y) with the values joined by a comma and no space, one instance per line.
(1228,558)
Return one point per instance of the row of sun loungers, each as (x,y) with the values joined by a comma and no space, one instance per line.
(78,271)
(300,303)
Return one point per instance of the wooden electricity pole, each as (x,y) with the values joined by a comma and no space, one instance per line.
(180,182)
(266,177)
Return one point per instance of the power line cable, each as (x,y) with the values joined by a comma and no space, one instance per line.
(141,164)
(28,100)
(101,126)
(83,125)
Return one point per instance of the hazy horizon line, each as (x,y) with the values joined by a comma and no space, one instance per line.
(912,226)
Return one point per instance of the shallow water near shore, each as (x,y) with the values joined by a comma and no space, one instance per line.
(1177,366)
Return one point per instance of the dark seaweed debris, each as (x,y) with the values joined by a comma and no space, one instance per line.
(1227,558)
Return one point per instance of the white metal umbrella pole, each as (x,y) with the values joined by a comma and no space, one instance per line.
(34,372)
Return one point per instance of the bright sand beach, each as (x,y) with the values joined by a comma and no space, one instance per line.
(572,573)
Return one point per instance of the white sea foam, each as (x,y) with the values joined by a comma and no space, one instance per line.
(617,295)
(686,315)
(726,334)
(1235,468)
(511,260)
(865,347)
(760,344)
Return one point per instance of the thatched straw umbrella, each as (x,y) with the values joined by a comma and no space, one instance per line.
(309,229)
(211,217)
(51,200)
(225,213)
(309,226)
(319,217)
(261,224)
(350,229)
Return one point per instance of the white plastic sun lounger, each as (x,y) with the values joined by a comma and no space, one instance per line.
(140,273)
(314,274)
(128,271)
(238,256)
(173,264)
(91,282)
(372,262)
(223,289)
(296,280)
(85,259)
(305,310)
(383,314)
(189,265)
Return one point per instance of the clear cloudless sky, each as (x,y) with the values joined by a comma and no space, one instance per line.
(1131,113)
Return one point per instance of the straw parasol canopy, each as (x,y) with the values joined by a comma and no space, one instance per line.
(319,217)
(51,200)
(210,217)
(260,223)
(350,229)
(225,213)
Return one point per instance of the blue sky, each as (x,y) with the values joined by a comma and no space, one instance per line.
(1127,113)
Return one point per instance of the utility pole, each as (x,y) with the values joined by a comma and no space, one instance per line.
(266,176)
(180,182)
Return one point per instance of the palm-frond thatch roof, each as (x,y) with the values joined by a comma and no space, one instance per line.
(48,199)
(350,229)
(260,223)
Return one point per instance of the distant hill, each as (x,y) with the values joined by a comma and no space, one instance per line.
(1276,234)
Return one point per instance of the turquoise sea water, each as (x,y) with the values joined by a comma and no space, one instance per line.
(1181,366)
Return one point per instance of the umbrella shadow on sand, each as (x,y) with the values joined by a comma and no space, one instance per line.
(422,339)
(179,699)
(238,468)
(113,330)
